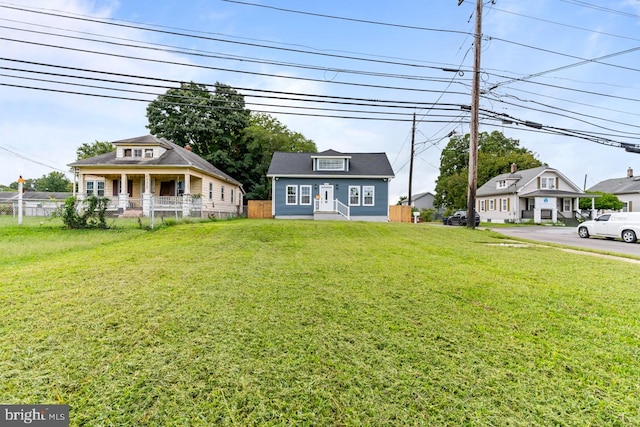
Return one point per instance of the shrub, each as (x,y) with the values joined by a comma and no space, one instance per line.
(88,213)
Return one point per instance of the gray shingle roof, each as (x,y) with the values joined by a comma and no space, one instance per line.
(174,156)
(624,185)
(519,179)
(35,195)
(300,164)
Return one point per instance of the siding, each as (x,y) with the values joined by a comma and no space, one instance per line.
(341,192)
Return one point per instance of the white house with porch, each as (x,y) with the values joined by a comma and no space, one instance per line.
(149,173)
(538,195)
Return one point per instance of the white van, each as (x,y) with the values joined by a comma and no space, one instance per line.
(625,225)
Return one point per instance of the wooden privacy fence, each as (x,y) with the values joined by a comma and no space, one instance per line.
(399,213)
(258,209)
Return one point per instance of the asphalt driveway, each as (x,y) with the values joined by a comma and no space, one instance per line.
(568,236)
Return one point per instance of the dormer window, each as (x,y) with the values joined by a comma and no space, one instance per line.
(548,183)
(502,184)
(148,153)
(137,152)
(127,152)
(330,164)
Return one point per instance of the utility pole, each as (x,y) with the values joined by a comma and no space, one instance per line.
(475,105)
(413,141)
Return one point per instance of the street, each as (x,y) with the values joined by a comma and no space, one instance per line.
(568,236)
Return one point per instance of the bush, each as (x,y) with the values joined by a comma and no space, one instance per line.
(88,213)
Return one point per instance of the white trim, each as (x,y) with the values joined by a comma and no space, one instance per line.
(357,188)
(286,195)
(373,195)
(301,195)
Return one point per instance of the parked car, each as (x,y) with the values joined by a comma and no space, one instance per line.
(623,225)
(460,218)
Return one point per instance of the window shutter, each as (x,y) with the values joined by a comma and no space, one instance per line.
(557,182)
(508,204)
(538,182)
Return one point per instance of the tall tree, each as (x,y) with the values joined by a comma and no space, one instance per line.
(55,181)
(264,136)
(221,130)
(496,153)
(96,148)
(210,121)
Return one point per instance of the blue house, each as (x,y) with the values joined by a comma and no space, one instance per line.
(330,185)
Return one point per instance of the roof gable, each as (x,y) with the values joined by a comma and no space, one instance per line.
(301,164)
(516,181)
(174,156)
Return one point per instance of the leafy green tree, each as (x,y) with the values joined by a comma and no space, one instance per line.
(496,153)
(220,129)
(55,181)
(606,201)
(264,136)
(212,122)
(96,148)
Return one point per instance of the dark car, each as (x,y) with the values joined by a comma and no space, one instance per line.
(460,218)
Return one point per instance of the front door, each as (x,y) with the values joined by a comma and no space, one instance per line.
(326,198)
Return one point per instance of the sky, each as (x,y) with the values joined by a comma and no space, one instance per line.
(560,76)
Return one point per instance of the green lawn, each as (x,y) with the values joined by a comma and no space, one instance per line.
(315,323)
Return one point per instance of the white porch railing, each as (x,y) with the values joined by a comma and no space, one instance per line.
(334,206)
(342,209)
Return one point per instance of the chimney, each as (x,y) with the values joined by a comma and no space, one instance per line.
(629,173)
(514,168)
(187,147)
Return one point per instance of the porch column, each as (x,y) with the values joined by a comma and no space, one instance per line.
(187,183)
(146,197)
(186,197)
(123,199)
(81,187)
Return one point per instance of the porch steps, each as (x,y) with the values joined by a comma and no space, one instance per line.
(329,216)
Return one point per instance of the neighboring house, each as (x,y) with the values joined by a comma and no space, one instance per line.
(539,194)
(425,201)
(34,203)
(148,174)
(626,189)
(330,185)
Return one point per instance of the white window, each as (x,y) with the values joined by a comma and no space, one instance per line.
(354,195)
(222,193)
(210,190)
(137,152)
(127,152)
(330,164)
(492,206)
(292,195)
(305,194)
(566,204)
(95,188)
(505,205)
(482,205)
(232,199)
(368,195)
(502,184)
(548,183)
(148,153)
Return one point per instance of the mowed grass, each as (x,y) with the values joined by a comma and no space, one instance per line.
(315,323)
